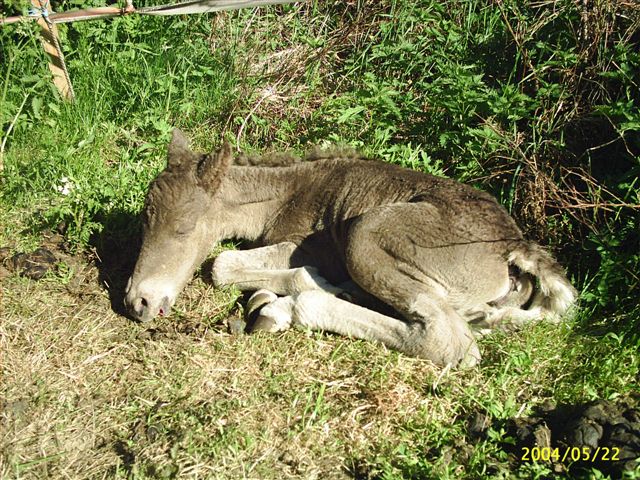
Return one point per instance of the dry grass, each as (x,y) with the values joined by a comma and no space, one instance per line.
(87,393)
(291,78)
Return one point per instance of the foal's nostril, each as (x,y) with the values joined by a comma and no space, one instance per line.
(165,306)
(139,307)
(145,308)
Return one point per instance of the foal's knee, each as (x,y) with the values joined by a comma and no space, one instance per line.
(441,334)
(221,268)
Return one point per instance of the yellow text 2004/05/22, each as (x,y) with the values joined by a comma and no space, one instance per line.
(570,454)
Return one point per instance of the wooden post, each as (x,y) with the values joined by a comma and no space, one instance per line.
(51,44)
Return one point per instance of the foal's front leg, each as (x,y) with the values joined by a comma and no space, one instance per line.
(279,268)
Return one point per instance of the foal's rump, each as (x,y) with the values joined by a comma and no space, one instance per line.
(477,263)
(466,266)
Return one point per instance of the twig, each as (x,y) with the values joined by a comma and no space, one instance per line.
(268,93)
(11,125)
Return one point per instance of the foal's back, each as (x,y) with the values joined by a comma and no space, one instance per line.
(328,195)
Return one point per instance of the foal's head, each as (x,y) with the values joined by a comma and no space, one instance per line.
(174,227)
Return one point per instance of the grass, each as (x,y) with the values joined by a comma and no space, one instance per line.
(538,104)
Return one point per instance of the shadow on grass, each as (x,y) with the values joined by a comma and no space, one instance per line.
(114,249)
(117,247)
(127,456)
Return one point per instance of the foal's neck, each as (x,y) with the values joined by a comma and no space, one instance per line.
(248,198)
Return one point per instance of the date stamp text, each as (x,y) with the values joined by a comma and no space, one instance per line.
(570,454)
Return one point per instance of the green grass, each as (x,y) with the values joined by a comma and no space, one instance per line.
(535,104)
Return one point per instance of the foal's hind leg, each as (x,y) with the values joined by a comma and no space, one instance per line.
(386,257)
(318,310)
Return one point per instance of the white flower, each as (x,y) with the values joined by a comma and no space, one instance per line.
(65,187)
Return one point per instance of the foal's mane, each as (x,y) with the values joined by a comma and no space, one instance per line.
(283,159)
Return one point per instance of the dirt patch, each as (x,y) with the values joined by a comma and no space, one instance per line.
(603,434)
(34,265)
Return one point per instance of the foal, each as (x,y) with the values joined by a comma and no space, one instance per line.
(430,256)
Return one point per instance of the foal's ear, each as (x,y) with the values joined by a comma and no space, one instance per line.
(178,151)
(213,167)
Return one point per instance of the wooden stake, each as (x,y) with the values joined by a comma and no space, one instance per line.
(51,44)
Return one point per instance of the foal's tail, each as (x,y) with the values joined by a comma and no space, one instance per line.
(554,294)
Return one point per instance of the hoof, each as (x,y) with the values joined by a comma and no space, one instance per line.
(255,321)
(471,359)
(262,324)
(258,300)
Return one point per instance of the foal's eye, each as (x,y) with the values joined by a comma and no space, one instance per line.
(185,229)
